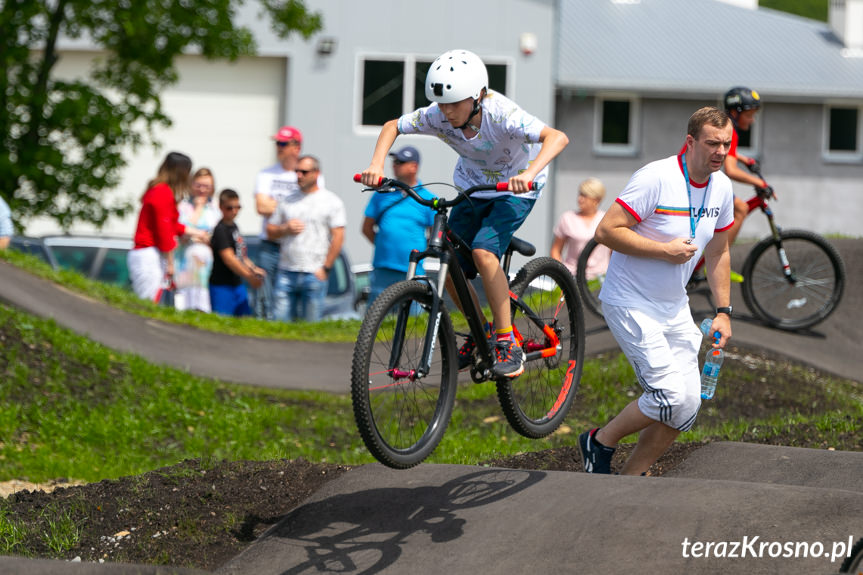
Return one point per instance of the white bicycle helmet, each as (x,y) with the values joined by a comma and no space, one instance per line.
(454,76)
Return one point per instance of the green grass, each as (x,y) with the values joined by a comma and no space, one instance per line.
(324,331)
(56,528)
(71,408)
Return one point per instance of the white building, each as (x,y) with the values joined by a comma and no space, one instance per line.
(640,66)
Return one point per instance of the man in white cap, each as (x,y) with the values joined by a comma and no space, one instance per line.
(396,225)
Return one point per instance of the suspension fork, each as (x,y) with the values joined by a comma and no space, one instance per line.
(435,313)
(777,239)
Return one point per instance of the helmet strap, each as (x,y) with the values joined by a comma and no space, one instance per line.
(476,108)
(733,118)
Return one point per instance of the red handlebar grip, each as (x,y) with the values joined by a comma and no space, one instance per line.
(358,178)
(504,186)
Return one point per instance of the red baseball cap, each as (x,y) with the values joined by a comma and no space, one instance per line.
(288,133)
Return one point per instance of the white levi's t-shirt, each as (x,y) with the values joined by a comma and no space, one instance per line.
(656,196)
(507,142)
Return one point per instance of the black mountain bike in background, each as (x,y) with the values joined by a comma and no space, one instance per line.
(404,373)
(792,279)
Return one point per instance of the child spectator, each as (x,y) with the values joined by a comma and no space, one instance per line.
(231,265)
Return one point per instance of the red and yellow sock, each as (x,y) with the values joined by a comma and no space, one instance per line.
(504,334)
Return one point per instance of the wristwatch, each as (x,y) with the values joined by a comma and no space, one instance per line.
(327,269)
(725,310)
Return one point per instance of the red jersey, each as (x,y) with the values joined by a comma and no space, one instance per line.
(159,220)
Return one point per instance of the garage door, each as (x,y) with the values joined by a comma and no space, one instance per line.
(223,116)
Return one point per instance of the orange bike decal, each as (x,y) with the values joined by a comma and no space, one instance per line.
(553,342)
(567,384)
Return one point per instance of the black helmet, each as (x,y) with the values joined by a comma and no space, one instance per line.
(741,98)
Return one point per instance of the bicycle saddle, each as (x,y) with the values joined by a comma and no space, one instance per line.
(522,247)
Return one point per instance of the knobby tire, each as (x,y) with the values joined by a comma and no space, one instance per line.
(820,280)
(588,289)
(536,402)
(402,418)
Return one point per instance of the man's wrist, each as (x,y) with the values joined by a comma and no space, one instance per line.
(724,309)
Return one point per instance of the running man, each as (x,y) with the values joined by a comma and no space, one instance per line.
(670,212)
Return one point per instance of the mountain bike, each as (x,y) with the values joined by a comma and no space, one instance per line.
(404,373)
(854,561)
(792,279)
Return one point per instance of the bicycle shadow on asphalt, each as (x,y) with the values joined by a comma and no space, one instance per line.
(365,531)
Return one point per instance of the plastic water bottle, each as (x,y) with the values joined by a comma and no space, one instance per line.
(712,362)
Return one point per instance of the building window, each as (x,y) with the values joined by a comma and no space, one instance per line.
(616,125)
(843,132)
(392,87)
(383,89)
(748,141)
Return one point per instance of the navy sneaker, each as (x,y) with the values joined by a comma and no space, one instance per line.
(595,457)
(508,359)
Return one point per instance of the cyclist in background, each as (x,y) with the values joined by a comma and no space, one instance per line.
(496,141)
(741,105)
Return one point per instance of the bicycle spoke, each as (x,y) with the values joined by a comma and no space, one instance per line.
(552,334)
(808,296)
(400,414)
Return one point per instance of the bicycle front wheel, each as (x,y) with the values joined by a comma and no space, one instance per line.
(551,333)
(588,289)
(809,295)
(401,412)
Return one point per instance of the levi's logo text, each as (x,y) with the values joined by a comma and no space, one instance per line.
(685,211)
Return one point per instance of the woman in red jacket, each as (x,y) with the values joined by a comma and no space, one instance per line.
(152,258)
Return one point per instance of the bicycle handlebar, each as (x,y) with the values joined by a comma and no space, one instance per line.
(440,202)
(768,191)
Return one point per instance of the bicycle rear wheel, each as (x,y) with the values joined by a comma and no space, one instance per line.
(400,414)
(536,403)
(815,290)
(588,289)
(854,561)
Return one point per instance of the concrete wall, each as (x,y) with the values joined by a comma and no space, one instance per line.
(223,115)
(322,90)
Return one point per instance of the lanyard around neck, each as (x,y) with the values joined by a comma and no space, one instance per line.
(693,221)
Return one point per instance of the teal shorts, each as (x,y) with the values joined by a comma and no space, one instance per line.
(488,224)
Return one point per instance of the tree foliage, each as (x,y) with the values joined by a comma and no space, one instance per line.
(64,140)
(815,9)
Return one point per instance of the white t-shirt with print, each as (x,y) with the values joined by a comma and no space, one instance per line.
(656,196)
(508,140)
(320,211)
(279,183)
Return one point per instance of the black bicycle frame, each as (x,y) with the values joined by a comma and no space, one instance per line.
(441,246)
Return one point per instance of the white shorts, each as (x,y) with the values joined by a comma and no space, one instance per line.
(664,355)
(146,271)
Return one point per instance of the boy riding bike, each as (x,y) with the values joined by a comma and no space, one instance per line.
(741,105)
(496,141)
